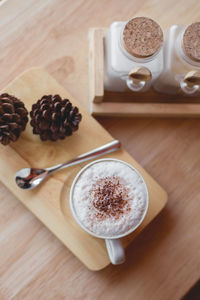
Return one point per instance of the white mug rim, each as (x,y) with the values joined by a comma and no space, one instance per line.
(73,209)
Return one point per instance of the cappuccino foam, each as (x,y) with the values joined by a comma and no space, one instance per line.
(109,198)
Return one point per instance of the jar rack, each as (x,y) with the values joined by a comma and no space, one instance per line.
(129,104)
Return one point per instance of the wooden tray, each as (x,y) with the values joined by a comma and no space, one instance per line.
(49,202)
(151,104)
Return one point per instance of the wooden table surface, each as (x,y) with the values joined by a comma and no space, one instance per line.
(164,261)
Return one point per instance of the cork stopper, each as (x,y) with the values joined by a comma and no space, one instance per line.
(142,37)
(191,41)
(192,78)
(140,74)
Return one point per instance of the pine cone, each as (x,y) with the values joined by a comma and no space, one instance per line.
(13,118)
(54,118)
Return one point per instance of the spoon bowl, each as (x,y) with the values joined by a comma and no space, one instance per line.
(29,178)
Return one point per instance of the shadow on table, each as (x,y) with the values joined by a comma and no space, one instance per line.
(194,293)
(144,246)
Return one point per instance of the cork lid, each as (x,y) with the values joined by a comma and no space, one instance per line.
(142,37)
(191,41)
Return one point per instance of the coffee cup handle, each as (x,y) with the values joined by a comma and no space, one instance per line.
(116,251)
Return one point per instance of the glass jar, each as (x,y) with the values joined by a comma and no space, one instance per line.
(133,55)
(181,71)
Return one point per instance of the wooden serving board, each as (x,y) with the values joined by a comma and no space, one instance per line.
(49,202)
(128,103)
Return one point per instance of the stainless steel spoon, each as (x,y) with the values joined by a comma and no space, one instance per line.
(29,178)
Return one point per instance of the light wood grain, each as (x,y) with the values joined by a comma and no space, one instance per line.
(163,262)
(129,104)
(50,202)
(159,110)
(96,65)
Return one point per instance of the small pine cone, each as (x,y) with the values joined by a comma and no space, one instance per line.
(13,118)
(54,118)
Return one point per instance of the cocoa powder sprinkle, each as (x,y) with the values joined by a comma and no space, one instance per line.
(110,197)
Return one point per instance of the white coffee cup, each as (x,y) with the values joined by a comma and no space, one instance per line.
(113,243)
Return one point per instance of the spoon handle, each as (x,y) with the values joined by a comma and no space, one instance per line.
(105,149)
